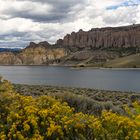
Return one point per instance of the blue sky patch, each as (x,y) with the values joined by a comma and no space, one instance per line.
(124,4)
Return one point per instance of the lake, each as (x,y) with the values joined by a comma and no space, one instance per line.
(107,79)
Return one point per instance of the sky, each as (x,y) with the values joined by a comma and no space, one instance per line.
(23,21)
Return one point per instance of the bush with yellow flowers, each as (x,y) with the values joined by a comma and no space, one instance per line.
(45,118)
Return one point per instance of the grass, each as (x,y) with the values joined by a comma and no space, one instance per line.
(89,101)
(132,61)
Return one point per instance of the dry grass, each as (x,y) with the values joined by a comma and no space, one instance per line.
(132,61)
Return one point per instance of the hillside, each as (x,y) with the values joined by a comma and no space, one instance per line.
(131,61)
(94,48)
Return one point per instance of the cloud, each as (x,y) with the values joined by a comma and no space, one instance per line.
(121,15)
(22,21)
(25,9)
(39,11)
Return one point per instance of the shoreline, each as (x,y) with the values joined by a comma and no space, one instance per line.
(73,67)
(75,88)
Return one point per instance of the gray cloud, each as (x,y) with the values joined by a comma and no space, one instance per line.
(44,11)
(50,18)
(14,39)
(22,39)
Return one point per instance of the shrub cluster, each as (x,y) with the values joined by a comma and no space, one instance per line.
(45,118)
(88,101)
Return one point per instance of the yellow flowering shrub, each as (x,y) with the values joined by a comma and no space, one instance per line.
(45,118)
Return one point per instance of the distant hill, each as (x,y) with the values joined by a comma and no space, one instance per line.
(10,49)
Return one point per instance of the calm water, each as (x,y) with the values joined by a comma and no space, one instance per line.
(123,80)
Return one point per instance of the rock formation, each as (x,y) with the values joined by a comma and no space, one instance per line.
(109,37)
(34,54)
(94,46)
(41,55)
(9,58)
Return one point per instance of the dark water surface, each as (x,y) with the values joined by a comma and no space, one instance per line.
(116,79)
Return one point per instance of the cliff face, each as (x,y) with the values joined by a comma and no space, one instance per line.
(94,46)
(9,58)
(34,54)
(40,54)
(117,37)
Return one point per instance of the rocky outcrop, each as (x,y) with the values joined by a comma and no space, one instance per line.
(9,58)
(102,38)
(34,54)
(41,44)
(95,46)
(41,55)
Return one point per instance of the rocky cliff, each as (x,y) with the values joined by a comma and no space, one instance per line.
(34,54)
(95,46)
(102,38)
(9,58)
(41,53)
